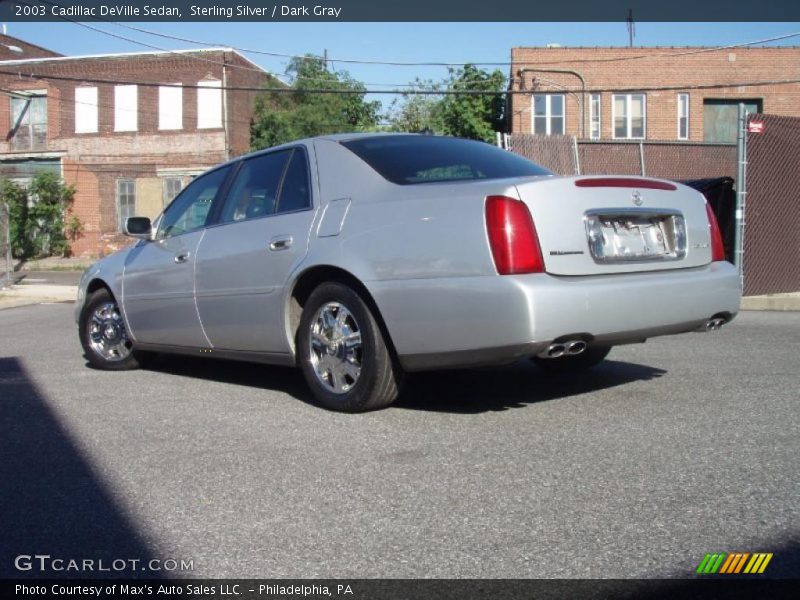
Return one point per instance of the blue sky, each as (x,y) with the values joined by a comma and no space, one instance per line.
(445,42)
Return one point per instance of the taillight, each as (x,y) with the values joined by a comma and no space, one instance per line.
(512,237)
(717,247)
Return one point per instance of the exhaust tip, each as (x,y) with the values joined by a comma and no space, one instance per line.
(576,347)
(556,350)
(715,324)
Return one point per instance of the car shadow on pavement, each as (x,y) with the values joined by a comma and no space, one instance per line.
(467,391)
(255,375)
(514,386)
(53,502)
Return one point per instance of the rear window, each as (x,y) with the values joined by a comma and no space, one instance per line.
(410,159)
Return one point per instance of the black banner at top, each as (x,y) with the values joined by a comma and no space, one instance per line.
(402,10)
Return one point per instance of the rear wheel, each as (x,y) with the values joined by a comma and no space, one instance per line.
(593,355)
(343,354)
(105,340)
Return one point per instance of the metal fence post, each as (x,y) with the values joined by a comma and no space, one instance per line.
(741,190)
(577,155)
(641,157)
(7,233)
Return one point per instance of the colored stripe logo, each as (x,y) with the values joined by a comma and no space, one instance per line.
(734,563)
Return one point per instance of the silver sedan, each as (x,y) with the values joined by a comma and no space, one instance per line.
(361,257)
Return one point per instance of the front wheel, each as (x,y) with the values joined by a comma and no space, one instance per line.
(593,355)
(105,340)
(343,354)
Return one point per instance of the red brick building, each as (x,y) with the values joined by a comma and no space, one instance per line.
(130,145)
(618,93)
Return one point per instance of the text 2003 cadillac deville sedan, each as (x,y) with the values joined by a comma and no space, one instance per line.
(360,257)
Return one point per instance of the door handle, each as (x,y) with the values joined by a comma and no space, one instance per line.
(181,257)
(281,242)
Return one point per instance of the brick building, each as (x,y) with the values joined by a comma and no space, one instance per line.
(130,145)
(614,90)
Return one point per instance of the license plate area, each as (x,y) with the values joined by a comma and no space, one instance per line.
(635,235)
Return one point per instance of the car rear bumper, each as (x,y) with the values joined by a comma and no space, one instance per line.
(454,322)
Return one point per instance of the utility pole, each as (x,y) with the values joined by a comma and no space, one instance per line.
(631,28)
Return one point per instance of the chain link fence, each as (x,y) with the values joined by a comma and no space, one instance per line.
(566,155)
(771,258)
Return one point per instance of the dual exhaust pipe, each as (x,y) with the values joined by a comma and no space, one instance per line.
(559,349)
(714,324)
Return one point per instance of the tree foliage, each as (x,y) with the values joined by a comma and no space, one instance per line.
(40,222)
(471,116)
(283,117)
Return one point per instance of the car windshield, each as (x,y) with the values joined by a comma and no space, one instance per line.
(411,159)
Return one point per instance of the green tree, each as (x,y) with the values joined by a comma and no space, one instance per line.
(475,116)
(38,216)
(305,112)
(415,113)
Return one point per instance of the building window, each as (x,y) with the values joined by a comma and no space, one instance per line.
(125,108)
(721,117)
(170,107)
(594,116)
(683,116)
(209,104)
(630,116)
(172,187)
(548,114)
(85,109)
(29,122)
(126,201)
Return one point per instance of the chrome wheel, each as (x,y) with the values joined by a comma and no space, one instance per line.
(107,335)
(335,347)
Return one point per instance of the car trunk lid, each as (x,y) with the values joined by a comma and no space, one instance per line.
(599,225)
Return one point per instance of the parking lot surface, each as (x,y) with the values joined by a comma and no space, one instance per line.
(671,449)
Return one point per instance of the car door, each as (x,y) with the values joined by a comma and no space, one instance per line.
(244,261)
(158,277)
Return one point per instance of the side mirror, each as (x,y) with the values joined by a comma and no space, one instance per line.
(139,227)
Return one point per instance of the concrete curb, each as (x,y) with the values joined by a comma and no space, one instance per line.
(772,302)
(23,295)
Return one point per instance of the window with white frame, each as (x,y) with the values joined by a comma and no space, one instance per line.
(126,201)
(85,109)
(548,114)
(209,104)
(125,108)
(170,106)
(683,116)
(594,117)
(630,114)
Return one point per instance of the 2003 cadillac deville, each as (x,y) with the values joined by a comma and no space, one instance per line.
(360,257)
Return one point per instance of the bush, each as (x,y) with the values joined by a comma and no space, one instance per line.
(38,215)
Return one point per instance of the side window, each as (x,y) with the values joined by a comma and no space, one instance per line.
(255,189)
(295,194)
(190,209)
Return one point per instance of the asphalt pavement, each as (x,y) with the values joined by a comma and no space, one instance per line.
(669,450)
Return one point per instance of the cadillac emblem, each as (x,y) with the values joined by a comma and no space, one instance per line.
(636,196)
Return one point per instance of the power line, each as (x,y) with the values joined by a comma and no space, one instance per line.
(458,64)
(472,92)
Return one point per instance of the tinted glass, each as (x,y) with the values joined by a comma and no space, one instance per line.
(294,191)
(190,209)
(410,159)
(256,187)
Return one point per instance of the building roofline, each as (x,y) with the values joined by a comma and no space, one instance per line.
(645,48)
(26,61)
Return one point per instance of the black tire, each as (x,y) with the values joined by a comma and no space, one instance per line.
(126,357)
(337,357)
(593,355)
